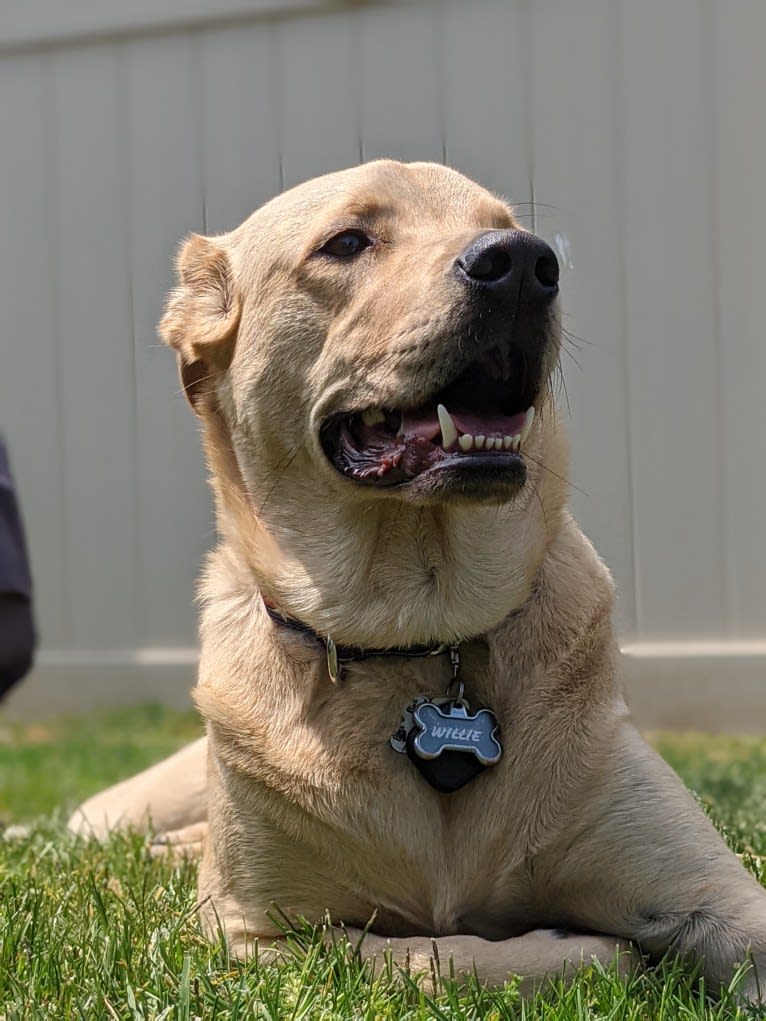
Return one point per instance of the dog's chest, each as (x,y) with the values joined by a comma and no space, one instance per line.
(428,857)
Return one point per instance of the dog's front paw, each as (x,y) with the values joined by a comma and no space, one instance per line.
(580,949)
(187,842)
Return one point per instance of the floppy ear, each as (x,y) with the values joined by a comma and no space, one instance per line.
(201,315)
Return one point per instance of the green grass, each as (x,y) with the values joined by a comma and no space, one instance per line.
(104,931)
(59,763)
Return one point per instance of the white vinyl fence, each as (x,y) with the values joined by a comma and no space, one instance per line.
(636,128)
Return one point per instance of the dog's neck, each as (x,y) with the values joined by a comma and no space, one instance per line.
(387,573)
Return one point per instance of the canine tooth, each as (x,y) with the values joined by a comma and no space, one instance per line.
(528,420)
(479,442)
(373,416)
(507,441)
(466,441)
(516,441)
(449,432)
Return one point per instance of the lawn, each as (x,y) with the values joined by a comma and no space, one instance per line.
(89,931)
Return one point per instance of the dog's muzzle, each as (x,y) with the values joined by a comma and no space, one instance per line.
(472,431)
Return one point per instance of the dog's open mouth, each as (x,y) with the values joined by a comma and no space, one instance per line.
(478,424)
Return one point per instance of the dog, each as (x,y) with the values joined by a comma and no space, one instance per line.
(408,669)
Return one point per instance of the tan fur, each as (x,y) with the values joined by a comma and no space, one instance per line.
(580,826)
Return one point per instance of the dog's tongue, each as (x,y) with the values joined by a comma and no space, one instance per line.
(424,424)
(421,423)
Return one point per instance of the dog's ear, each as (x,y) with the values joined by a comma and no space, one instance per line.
(202,315)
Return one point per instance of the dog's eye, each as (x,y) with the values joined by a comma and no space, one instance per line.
(346,244)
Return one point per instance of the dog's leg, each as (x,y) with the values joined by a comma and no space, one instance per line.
(643,861)
(537,955)
(168,796)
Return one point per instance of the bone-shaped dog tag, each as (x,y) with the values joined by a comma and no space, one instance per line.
(450,746)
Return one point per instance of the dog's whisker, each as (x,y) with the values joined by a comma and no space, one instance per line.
(562,478)
(282,467)
(569,355)
(535,204)
(181,391)
(571,342)
(574,337)
(559,373)
(536,491)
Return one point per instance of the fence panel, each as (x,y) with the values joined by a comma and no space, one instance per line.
(629,135)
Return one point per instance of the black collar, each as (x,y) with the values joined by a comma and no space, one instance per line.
(337,655)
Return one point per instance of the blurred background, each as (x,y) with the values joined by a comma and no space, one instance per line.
(629,133)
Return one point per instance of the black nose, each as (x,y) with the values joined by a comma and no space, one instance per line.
(511,261)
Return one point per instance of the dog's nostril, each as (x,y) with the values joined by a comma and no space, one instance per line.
(492,264)
(510,263)
(547,270)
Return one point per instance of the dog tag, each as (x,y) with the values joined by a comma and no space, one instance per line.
(450,745)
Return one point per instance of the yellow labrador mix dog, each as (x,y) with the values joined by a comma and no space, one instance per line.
(408,665)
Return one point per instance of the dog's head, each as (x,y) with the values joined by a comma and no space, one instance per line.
(377,342)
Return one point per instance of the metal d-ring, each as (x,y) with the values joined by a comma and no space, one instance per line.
(454,658)
(334,667)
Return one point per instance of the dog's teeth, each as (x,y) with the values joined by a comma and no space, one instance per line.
(498,443)
(373,416)
(528,420)
(466,441)
(507,441)
(479,442)
(516,441)
(449,432)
